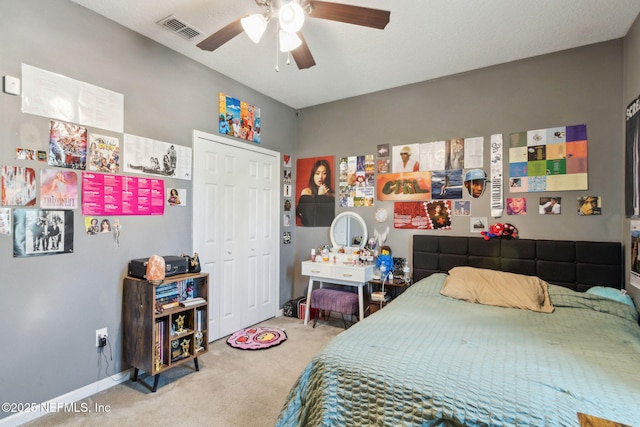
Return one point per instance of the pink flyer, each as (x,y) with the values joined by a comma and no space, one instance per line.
(106,194)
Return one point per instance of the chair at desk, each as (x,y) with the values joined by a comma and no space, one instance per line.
(327,300)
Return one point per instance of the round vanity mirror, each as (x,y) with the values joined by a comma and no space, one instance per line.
(348,229)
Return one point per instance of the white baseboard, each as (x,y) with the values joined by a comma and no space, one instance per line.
(65,402)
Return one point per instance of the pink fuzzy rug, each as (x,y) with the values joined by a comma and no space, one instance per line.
(256,338)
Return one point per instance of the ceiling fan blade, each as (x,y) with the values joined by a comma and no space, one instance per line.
(302,55)
(367,17)
(221,36)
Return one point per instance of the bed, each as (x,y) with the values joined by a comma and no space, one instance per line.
(432,360)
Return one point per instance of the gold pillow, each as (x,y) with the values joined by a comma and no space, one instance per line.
(498,288)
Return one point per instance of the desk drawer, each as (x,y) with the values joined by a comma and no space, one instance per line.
(316,269)
(354,274)
(330,271)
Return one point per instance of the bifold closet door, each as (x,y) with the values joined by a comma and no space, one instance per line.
(236,230)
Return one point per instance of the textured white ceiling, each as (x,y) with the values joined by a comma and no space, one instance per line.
(425,39)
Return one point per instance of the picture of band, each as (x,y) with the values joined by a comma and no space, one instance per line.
(42,232)
(148,156)
(104,153)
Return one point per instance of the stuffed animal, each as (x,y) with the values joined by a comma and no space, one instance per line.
(500,231)
(385,259)
(509,232)
(495,230)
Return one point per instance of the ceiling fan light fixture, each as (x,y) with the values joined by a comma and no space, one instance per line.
(254,26)
(288,41)
(291,17)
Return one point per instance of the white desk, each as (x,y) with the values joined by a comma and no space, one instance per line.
(341,274)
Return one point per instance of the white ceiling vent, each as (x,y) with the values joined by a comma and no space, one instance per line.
(180,28)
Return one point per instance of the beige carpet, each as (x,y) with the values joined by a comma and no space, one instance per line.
(233,387)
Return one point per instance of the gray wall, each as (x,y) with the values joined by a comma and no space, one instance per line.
(566,88)
(53,305)
(631,64)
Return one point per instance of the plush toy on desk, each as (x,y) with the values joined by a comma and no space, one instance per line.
(500,231)
(385,259)
(385,263)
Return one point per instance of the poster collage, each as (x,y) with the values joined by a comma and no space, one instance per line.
(287,194)
(432,182)
(83,169)
(104,193)
(238,119)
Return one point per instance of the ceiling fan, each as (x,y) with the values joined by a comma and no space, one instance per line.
(291,15)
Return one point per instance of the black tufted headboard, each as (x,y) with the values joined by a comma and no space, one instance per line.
(574,264)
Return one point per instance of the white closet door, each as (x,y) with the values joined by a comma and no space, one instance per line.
(235,230)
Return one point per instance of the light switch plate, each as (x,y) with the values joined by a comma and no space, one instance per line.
(11,85)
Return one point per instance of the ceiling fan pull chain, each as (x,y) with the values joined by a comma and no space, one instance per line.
(277,49)
(288,58)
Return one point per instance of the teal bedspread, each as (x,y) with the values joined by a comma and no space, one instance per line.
(430,360)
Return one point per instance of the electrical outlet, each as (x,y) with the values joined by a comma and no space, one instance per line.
(101,333)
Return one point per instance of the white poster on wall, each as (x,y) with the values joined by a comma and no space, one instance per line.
(497,202)
(474,152)
(58,97)
(152,157)
(432,156)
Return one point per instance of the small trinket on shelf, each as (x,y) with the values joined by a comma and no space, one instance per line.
(155,272)
(325,254)
(406,270)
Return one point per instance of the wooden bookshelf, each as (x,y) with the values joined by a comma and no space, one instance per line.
(160,333)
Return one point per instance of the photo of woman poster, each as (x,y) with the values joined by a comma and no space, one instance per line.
(316,193)
(516,206)
(439,213)
(58,189)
